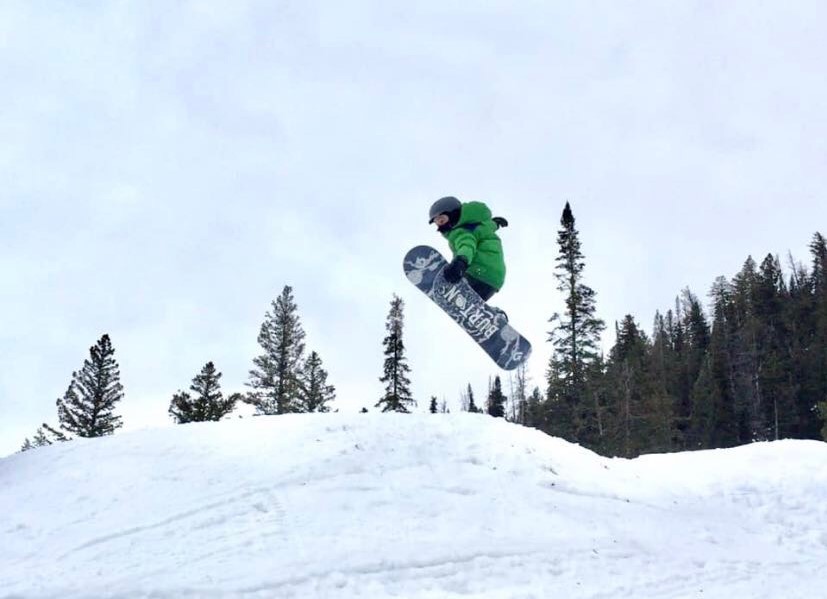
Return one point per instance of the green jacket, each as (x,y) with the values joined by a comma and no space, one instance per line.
(475,237)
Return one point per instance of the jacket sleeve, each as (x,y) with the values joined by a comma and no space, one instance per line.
(465,244)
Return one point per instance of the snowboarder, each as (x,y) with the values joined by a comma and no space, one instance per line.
(472,236)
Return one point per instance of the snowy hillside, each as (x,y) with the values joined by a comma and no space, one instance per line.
(438,506)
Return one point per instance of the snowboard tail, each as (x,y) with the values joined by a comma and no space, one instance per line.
(486,325)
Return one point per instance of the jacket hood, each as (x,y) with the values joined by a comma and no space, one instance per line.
(473,212)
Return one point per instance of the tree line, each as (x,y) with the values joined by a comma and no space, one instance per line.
(284,379)
(752,368)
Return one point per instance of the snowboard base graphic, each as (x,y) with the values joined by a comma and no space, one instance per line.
(486,325)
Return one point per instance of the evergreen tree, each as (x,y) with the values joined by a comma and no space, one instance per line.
(87,407)
(209,403)
(816,389)
(44,436)
(714,421)
(275,377)
(314,392)
(663,366)
(472,406)
(433,409)
(575,338)
(397,396)
(776,361)
(638,416)
(534,410)
(748,356)
(800,319)
(823,411)
(496,400)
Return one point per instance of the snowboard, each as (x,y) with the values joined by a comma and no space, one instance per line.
(486,325)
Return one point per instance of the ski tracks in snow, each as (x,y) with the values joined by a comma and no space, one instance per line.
(251,509)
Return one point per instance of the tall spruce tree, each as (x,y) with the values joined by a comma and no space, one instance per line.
(822,409)
(534,416)
(275,378)
(575,338)
(472,405)
(817,385)
(88,407)
(775,364)
(714,421)
(434,407)
(638,417)
(397,396)
(209,403)
(496,400)
(748,356)
(314,392)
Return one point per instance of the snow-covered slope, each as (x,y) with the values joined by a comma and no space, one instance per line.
(419,506)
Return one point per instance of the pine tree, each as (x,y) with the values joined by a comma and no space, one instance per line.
(275,377)
(434,408)
(822,408)
(44,436)
(748,356)
(472,405)
(397,396)
(638,416)
(209,403)
(714,421)
(87,407)
(575,339)
(817,384)
(776,362)
(534,410)
(496,400)
(314,392)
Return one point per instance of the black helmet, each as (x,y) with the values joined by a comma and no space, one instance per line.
(444,206)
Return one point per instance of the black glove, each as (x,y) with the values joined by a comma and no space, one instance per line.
(454,271)
(501,222)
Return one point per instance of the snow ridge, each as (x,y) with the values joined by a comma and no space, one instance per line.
(381,505)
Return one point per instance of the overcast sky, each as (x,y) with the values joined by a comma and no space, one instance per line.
(167,167)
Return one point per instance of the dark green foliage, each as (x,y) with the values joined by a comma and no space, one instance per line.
(397,396)
(575,338)
(87,407)
(535,409)
(469,401)
(631,420)
(275,378)
(209,404)
(496,400)
(45,435)
(314,392)
(755,369)
(433,408)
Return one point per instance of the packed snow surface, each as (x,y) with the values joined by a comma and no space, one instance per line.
(413,506)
